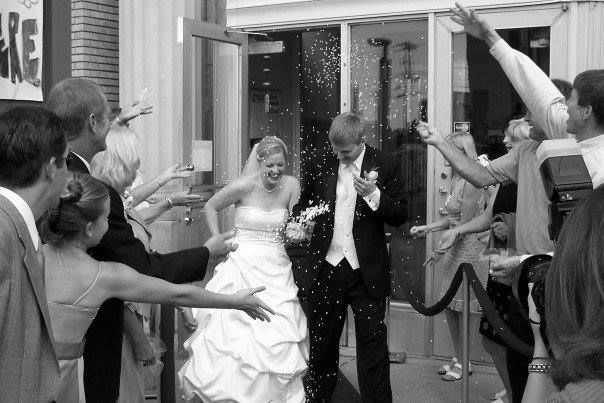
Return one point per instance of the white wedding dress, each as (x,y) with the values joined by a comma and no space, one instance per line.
(234,358)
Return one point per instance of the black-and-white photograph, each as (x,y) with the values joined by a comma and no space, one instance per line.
(301,201)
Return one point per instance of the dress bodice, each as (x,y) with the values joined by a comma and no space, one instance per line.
(455,200)
(252,224)
(70,323)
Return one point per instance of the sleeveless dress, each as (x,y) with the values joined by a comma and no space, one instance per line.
(467,249)
(69,324)
(233,357)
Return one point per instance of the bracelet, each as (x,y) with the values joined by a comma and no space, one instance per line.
(158,183)
(170,204)
(542,358)
(540,368)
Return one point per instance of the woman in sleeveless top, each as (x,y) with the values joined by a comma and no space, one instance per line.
(464,203)
(77,284)
(232,358)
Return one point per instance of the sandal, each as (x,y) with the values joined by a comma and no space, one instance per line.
(452,375)
(498,395)
(446,368)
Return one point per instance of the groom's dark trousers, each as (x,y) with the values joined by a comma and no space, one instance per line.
(335,289)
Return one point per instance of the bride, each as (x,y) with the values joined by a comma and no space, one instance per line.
(233,358)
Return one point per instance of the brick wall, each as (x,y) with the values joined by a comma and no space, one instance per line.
(95,44)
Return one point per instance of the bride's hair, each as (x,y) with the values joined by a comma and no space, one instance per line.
(269,146)
(81,202)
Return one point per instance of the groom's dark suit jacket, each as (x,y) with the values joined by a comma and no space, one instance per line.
(103,348)
(319,184)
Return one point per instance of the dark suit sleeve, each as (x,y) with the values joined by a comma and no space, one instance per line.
(307,191)
(393,204)
(120,245)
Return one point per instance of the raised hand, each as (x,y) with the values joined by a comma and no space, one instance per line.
(174,172)
(184,198)
(252,305)
(135,110)
(363,187)
(473,24)
(419,231)
(429,134)
(220,244)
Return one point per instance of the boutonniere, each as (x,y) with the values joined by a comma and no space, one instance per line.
(372,175)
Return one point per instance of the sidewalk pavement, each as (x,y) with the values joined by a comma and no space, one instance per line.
(417,381)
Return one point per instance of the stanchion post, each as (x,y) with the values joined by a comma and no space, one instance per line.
(465,385)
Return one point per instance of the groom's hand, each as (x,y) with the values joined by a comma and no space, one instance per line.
(221,244)
(363,187)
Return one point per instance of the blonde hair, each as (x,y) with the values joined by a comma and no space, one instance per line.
(108,167)
(118,165)
(465,142)
(518,129)
(347,128)
(269,146)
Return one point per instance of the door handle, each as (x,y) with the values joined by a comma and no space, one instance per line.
(189,220)
(443,190)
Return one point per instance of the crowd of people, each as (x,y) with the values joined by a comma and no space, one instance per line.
(75,243)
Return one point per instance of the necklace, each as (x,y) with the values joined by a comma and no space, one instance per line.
(60,252)
(268,190)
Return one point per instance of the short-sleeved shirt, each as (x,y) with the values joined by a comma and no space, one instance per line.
(593,155)
(520,166)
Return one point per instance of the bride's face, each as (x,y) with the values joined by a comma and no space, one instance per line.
(272,168)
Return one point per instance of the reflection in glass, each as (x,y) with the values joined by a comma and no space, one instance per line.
(482,94)
(389,90)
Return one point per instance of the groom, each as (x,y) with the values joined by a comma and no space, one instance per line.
(348,258)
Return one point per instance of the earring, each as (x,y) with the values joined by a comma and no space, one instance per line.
(90,234)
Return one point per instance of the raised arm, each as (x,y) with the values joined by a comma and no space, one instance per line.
(467,168)
(537,91)
(142,192)
(120,281)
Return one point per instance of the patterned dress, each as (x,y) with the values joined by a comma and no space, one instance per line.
(466,249)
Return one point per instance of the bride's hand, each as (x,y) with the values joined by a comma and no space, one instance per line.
(253,306)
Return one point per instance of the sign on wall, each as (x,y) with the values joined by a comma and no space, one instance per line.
(21,49)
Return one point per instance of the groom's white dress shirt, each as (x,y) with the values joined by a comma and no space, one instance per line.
(342,243)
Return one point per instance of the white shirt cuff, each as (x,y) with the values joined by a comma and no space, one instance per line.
(373,200)
(498,48)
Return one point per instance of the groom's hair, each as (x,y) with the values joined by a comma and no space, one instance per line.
(347,128)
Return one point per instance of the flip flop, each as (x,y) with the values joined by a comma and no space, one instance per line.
(498,395)
(446,368)
(452,375)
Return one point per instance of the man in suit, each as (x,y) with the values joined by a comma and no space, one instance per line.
(33,150)
(84,112)
(348,258)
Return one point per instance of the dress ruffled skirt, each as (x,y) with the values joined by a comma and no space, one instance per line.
(234,358)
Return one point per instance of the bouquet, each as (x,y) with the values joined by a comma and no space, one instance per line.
(301,227)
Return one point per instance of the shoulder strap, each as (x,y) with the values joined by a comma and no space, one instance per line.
(96,278)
